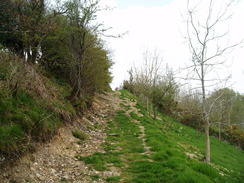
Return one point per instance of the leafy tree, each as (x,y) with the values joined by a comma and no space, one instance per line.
(82,36)
(10,36)
(237,110)
(55,48)
(23,26)
(75,52)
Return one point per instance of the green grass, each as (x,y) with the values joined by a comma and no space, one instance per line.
(129,132)
(189,175)
(124,94)
(96,159)
(113,179)
(126,107)
(95,177)
(224,156)
(100,161)
(22,116)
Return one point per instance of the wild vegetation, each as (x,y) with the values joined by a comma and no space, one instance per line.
(52,61)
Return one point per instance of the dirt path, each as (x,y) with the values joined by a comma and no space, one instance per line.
(146,148)
(55,161)
(142,128)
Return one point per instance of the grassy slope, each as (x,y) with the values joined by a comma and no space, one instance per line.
(168,161)
(32,106)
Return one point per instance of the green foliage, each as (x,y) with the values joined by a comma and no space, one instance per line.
(75,52)
(128,86)
(189,110)
(225,118)
(23,26)
(237,114)
(71,48)
(35,98)
(3,73)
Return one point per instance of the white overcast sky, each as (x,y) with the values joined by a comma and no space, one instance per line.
(158,24)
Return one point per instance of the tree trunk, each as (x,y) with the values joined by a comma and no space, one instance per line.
(219,131)
(154,112)
(28,56)
(207,142)
(205,114)
(147,104)
(34,52)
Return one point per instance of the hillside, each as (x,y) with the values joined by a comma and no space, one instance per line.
(118,141)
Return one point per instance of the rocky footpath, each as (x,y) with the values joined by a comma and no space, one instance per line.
(55,161)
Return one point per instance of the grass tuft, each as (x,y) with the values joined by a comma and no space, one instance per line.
(80,135)
(113,179)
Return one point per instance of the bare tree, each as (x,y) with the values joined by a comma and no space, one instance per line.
(147,77)
(154,84)
(208,44)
